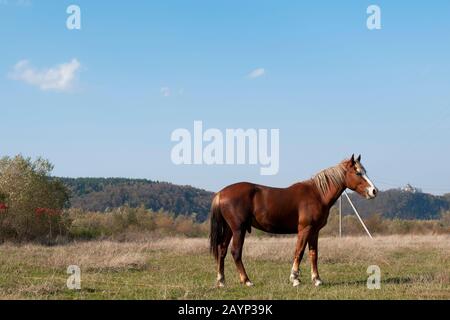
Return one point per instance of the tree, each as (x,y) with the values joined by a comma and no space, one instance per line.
(26,187)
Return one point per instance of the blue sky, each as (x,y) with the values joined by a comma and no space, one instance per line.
(330,85)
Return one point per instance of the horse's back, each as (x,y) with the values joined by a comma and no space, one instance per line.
(246,190)
(240,192)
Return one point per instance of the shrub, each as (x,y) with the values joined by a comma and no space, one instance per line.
(34,200)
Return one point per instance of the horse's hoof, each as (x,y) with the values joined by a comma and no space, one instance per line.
(296,282)
(249,283)
(220,284)
(293,276)
(317,282)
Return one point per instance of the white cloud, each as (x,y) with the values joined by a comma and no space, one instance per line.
(58,78)
(257,73)
(165,91)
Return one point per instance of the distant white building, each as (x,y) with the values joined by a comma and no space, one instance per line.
(411,189)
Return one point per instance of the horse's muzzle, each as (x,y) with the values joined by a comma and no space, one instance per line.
(371,193)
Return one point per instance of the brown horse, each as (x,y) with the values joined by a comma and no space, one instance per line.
(302,208)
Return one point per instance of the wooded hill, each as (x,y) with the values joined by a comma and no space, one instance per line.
(102,194)
(400,204)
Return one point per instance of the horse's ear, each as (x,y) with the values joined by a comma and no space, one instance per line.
(359,158)
(352,160)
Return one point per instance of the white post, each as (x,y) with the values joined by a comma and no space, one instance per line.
(340,217)
(357,214)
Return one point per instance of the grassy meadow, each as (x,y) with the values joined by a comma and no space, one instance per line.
(412,267)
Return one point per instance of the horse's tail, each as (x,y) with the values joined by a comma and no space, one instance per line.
(218,227)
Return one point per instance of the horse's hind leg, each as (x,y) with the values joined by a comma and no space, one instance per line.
(313,252)
(236,251)
(223,248)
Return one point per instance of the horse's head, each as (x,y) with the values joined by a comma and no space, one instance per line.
(357,180)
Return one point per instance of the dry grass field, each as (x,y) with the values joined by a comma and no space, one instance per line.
(412,267)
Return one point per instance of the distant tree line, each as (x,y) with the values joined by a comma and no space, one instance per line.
(103,194)
(398,204)
(34,206)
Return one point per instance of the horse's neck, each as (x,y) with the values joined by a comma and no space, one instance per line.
(332,195)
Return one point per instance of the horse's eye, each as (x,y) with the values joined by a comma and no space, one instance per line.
(358,173)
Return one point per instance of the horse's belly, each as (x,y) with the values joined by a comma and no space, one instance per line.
(278,228)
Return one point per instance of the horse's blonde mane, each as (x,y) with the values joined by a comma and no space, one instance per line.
(334,175)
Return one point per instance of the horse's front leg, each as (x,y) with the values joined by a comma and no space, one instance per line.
(313,255)
(302,239)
